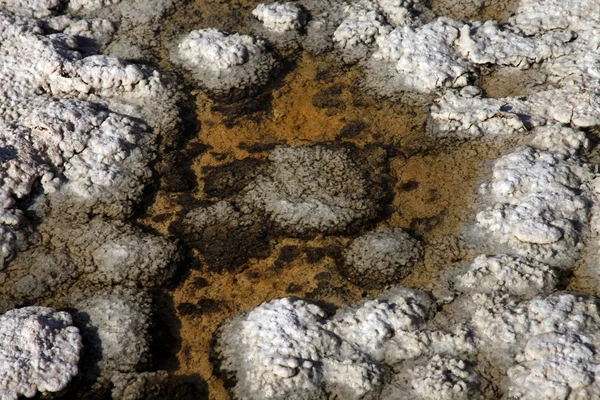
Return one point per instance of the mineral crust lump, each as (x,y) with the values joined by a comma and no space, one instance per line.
(281,17)
(84,155)
(381,257)
(279,359)
(534,207)
(114,325)
(358,32)
(421,59)
(39,352)
(489,43)
(308,190)
(555,365)
(289,348)
(224,63)
(447,379)
(509,274)
(533,16)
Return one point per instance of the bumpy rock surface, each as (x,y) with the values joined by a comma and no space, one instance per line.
(509,274)
(281,17)
(308,190)
(39,351)
(358,32)
(289,347)
(420,59)
(381,257)
(114,325)
(225,64)
(79,134)
(535,208)
(446,378)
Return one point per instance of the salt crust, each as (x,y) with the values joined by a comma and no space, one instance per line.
(39,351)
(281,17)
(299,198)
(223,63)
(381,257)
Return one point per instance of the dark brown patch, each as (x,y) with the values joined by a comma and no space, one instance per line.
(199,283)
(409,186)
(323,276)
(352,130)
(315,254)
(248,107)
(286,256)
(293,288)
(161,217)
(230,179)
(224,247)
(328,97)
(176,172)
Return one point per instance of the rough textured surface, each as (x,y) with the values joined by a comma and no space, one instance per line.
(358,32)
(494,332)
(39,351)
(381,257)
(533,205)
(289,347)
(446,378)
(80,131)
(225,64)
(114,325)
(281,17)
(308,190)
(138,386)
(420,59)
(489,43)
(509,274)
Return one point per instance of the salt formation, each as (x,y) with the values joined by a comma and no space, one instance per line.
(534,205)
(420,59)
(502,329)
(299,197)
(508,274)
(381,257)
(139,386)
(39,351)
(281,17)
(225,64)
(541,16)
(135,24)
(79,133)
(358,32)
(114,326)
(302,353)
(489,43)
(446,378)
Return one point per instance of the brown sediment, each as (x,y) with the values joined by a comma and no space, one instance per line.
(480,10)
(512,82)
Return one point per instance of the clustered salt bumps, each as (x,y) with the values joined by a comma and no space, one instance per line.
(39,351)
(308,190)
(290,348)
(281,17)
(381,257)
(535,208)
(420,59)
(225,64)
(115,330)
(79,133)
(358,32)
